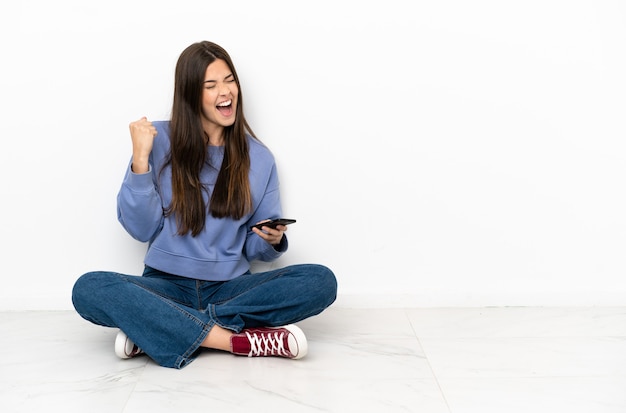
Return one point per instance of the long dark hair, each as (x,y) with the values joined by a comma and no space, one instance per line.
(231,195)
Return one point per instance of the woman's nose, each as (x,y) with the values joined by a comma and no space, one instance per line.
(224,89)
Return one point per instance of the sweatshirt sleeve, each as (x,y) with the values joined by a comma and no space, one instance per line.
(139,207)
(256,248)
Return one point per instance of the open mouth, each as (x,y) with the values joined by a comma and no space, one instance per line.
(225,108)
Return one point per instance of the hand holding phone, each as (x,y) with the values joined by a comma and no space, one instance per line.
(274,223)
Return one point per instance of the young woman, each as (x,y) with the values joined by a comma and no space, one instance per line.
(194,188)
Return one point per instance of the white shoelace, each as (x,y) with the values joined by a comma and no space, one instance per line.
(267,344)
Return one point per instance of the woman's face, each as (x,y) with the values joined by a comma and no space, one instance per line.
(219,100)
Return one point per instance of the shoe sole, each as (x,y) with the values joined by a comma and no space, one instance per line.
(120,345)
(303,346)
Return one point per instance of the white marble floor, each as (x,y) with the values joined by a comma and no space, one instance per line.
(453,360)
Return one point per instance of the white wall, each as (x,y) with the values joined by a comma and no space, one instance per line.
(434,152)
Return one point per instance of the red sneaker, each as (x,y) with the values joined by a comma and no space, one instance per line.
(124,347)
(286,341)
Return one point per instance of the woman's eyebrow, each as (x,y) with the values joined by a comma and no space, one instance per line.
(213,81)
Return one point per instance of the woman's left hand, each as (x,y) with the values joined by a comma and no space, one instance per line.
(271,235)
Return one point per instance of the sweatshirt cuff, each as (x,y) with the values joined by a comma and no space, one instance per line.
(140,182)
(282,246)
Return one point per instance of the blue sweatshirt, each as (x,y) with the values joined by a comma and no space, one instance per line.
(225,247)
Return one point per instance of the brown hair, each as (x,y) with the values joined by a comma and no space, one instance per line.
(231,196)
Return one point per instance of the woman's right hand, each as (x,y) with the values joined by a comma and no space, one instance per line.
(142,133)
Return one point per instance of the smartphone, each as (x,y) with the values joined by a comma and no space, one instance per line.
(274,223)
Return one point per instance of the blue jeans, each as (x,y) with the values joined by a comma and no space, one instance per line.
(169,316)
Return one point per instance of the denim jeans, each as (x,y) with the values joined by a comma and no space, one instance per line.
(169,316)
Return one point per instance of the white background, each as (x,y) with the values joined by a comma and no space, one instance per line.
(434,153)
